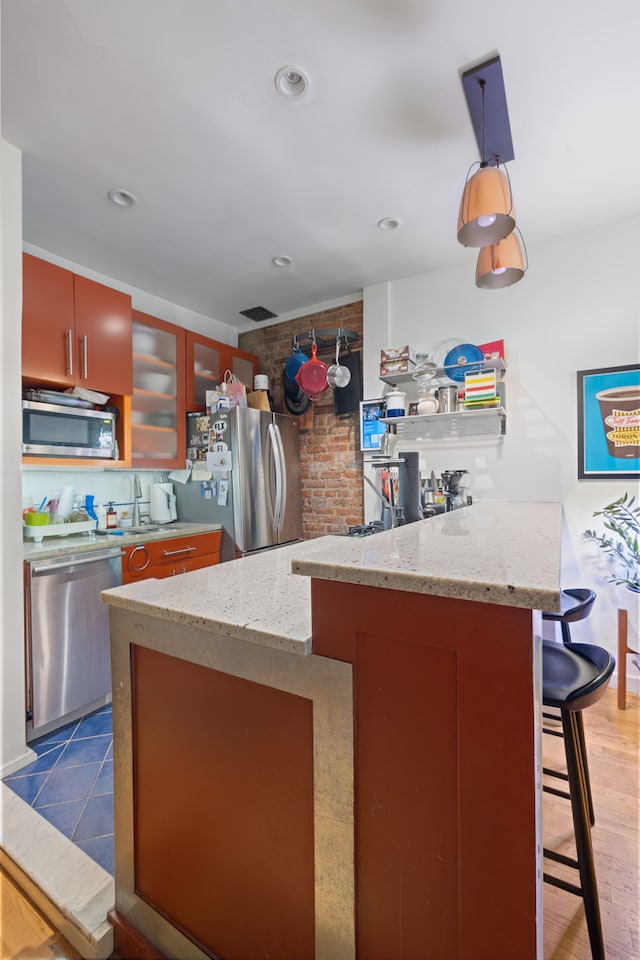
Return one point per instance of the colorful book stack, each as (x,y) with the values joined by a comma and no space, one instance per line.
(480,390)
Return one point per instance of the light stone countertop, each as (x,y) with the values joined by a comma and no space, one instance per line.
(492,552)
(502,553)
(53,547)
(256,599)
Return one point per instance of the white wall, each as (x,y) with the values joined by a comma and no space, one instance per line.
(577,308)
(13,749)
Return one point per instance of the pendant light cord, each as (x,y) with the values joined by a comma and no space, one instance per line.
(483,158)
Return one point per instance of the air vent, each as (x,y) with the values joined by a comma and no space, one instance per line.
(258,314)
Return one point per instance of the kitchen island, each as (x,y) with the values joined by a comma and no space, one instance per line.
(330,750)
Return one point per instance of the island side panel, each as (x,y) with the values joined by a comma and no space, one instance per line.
(445,779)
(223,799)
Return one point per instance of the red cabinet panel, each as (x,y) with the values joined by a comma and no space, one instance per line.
(48,323)
(223,799)
(168,558)
(75,332)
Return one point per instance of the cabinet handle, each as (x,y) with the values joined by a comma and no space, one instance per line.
(69,353)
(85,359)
(173,553)
(136,569)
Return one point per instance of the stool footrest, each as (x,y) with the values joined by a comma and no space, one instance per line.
(556,882)
(552,733)
(561,858)
(556,792)
(556,773)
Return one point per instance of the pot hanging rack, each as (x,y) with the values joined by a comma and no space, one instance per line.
(325,339)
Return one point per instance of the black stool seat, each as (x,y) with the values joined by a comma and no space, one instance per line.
(575,675)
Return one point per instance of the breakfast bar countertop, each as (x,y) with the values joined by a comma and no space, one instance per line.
(507,553)
(502,553)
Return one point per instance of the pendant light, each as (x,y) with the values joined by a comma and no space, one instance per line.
(502,264)
(486,209)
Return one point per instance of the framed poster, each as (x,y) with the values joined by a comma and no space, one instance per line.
(609,423)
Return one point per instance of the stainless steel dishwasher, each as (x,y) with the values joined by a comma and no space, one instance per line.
(67,636)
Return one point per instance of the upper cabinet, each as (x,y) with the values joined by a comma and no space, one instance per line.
(205,369)
(75,332)
(243,365)
(207,362)
(158,422)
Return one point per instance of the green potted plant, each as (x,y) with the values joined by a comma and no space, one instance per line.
(622,542)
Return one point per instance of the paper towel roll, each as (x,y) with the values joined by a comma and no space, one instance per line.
(65,504)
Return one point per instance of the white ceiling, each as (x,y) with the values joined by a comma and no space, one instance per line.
(175,101)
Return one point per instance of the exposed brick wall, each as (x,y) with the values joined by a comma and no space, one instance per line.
(330,458)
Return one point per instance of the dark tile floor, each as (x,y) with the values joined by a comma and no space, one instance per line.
(71,783)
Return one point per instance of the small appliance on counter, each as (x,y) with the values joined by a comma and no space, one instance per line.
(452,488)
(162,503)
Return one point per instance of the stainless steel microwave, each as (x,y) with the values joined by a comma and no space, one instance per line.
(53,430)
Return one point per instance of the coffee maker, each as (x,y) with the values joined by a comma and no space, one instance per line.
(452,489)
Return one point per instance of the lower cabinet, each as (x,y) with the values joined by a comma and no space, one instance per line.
(158,559)
(223,800)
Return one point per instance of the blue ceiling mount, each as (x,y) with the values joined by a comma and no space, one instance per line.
(496,142)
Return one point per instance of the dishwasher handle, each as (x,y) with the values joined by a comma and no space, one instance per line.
(74,560)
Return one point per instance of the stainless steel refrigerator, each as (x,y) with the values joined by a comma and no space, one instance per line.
(264,501)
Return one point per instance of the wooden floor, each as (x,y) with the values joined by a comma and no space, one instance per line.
(613,743)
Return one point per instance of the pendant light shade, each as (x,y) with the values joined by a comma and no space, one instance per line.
(486,209)
(501,264)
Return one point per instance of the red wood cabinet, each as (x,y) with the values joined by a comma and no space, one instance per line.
(207,360)
(445,833)
(168,558)
(75,332)
(223,799)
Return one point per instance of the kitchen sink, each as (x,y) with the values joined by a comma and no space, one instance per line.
(143,528)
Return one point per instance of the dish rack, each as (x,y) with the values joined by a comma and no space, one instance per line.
(37,531)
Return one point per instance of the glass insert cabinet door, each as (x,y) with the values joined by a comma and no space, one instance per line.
(207,362)
(157,404)
(204,363)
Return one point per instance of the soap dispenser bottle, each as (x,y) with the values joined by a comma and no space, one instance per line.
(112,517)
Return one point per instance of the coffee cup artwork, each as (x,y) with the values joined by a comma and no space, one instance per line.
(620,409)
(609,423)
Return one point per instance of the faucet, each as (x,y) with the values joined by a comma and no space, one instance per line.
(137,495)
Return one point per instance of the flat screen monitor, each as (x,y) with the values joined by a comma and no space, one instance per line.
(371,431)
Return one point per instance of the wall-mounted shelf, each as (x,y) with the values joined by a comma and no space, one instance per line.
(461,423)
(441,373)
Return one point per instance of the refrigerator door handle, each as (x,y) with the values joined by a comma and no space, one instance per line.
(276,446)
(282,479)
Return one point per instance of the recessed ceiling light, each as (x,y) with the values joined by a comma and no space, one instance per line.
(291,82)
(281,261)
(389,223)
(122,198)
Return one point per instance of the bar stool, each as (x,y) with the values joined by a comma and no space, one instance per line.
(575,675)
(576,604)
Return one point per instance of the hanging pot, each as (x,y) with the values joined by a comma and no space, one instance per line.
(295,361)
(338,376)
(312,376)
(295,400)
